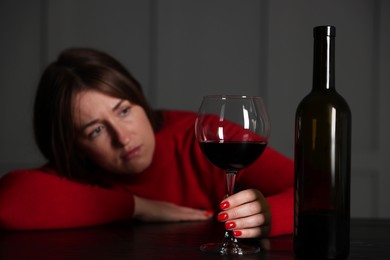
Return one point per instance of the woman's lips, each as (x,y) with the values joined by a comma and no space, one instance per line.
(128,155)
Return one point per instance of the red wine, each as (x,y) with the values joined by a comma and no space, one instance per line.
(322,161)
(232,155)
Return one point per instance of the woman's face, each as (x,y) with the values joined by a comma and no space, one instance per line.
(114,133)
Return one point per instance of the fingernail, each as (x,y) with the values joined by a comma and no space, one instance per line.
(237,233)
(230,225)
(222,217)
(224,205)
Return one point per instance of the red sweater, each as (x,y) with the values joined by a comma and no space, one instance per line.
(179,173)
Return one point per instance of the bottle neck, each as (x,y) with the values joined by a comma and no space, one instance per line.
(324,62)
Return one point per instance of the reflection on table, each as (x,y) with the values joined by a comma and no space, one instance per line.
(370,239)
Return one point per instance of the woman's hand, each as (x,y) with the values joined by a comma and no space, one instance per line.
(160,211)
(247,213)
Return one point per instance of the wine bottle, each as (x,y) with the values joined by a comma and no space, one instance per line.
(322,160)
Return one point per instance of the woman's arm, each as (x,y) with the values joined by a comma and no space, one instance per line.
(33,199)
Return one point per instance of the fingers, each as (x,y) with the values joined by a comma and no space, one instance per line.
(247,214)
(240,198)
(244,210)
(160,211)
(243,204)
(248,222)
(179,213)
(172,213)
(249,227)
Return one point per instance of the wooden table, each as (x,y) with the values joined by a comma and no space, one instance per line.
(370,239)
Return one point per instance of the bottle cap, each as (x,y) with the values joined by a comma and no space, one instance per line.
(325,30)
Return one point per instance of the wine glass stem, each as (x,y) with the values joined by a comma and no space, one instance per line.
(230,182)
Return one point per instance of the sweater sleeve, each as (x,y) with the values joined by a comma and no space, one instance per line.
(33,199)
(282,212)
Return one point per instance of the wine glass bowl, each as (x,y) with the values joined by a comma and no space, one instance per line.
(232,132)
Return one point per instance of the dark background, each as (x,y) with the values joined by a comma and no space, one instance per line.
(181,50)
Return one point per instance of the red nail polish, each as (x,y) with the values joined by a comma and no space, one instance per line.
(222,217)
(230,225)
(237,233)
(224,205)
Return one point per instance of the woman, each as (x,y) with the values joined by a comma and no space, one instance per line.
(112,158)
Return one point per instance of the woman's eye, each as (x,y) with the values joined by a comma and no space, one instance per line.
(96,131)
(125,111)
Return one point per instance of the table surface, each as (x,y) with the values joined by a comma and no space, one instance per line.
(370,239)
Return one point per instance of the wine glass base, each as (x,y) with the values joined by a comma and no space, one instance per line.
(229,248)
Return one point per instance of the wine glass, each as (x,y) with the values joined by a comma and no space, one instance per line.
(232,132)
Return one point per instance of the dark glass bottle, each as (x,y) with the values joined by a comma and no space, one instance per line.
(322,160)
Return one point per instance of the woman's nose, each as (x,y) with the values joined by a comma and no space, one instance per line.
(121,136)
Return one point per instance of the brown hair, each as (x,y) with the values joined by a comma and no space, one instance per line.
(75,70)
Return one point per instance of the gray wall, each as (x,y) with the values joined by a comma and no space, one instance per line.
(181,50)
